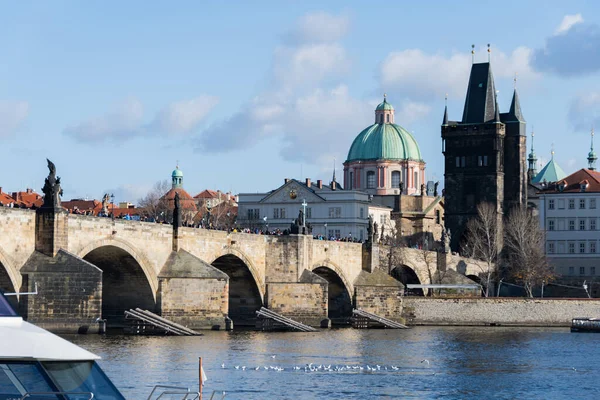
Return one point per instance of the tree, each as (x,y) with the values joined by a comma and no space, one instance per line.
(484,242)
(154,205)
(524,243)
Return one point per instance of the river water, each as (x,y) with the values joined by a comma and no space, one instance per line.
(463,363)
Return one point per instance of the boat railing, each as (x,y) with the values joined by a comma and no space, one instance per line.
(173,390)
(31,394)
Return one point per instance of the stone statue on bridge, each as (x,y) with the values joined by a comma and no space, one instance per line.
(105,200)
(446,237)
(375,231)
(52,190)
(370,230)
(177,211)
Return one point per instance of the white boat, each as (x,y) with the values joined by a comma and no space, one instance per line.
(38,365)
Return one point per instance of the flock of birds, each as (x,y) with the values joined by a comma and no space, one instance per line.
(312,367)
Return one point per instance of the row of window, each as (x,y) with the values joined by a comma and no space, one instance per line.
(396,179)
(280,213)
(571,204)
(592,271)
(572,247)
(558,224)
(463,161)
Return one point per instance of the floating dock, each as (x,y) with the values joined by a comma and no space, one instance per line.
(271,321)
(144,322)
(365,320)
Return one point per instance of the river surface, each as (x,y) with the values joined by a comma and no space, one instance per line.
(463,363)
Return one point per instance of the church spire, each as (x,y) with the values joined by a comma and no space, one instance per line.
(445,121)
(497,114)
(592,154)
(532,159)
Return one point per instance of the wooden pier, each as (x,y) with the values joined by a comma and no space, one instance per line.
(365,320)
(271,321)
(144,322)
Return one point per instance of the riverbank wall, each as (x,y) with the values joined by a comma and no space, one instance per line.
(497,311)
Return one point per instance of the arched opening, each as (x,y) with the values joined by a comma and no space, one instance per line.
(407,275)
(6,286)
(479,281)
(244,296)
(339,302)
(124,284)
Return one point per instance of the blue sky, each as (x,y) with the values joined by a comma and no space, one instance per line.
(115,93)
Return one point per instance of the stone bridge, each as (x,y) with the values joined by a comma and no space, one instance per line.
(88,267)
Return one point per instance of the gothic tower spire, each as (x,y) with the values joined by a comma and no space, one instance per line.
(532,159)
(445,121)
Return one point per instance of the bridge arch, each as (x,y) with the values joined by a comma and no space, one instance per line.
(245,289)
(407,275)
(339,301)
(9,278)
(128,281)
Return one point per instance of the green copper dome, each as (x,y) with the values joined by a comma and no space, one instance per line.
(177,173)
(384,142)
(384,105)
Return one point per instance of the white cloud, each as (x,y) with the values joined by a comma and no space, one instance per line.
(184,116)
(12,116)
(123,122)
(584,111)
(567,22)
(319,27)
(424,76)
(127,121)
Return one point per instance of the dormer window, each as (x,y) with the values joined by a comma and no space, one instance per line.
(583,185)
(561,186)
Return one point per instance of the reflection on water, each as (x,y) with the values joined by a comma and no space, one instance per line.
(464,363)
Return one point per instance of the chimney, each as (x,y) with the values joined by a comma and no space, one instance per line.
(286,180)
(29,190)
(307,182)
(0,189)
(320,183)
(333,185)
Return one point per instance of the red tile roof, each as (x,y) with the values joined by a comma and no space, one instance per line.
(95,206)
(573,183)
(207,194)
(185,200)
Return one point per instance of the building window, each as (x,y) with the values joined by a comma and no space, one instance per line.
(308,212)
(395,179)
(416,181)
(551,204)
(582,247)
(382,219)
(334,234)
(592,247)
(335,212)
(370,180)
(571,204)
(480,161)
(561,248)
(581,204)
(571,248)
(387,118)
(571,224)
(351,183)
(463,161)
(362,213)
(581,270)
(253,213)
(457,162)
(561,204)
(550,247)
(550,224)
(592,203)
(571,270)
(592,224)
(582,224)
(276,213)
(485,161)
(592,270)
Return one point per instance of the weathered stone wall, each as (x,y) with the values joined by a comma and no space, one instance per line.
(69,292)
(497,311)
(302,302)
(195,303)
(17,240)
(52,231)
(345,259)
(383,301)
(283,255)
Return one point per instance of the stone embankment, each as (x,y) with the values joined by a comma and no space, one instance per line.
(497,311)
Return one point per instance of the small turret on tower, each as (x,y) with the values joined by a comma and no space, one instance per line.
(592,155)
(532,159)
(177,178)
(384,113)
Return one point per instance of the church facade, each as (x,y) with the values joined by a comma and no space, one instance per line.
(484,155)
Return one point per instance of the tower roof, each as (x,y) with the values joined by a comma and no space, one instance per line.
(480,102)
(552,172)
(515,108)
(177,172)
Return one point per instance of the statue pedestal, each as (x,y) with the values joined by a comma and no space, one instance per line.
(51,230)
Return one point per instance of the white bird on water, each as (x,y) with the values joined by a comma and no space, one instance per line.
(273,356)
(427,361)
(223,365)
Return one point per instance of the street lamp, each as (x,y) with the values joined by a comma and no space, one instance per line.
(325,234)
(498,292)
(266,224)
(112,200)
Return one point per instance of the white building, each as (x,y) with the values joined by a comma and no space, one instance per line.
(570,215)
(330,210)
